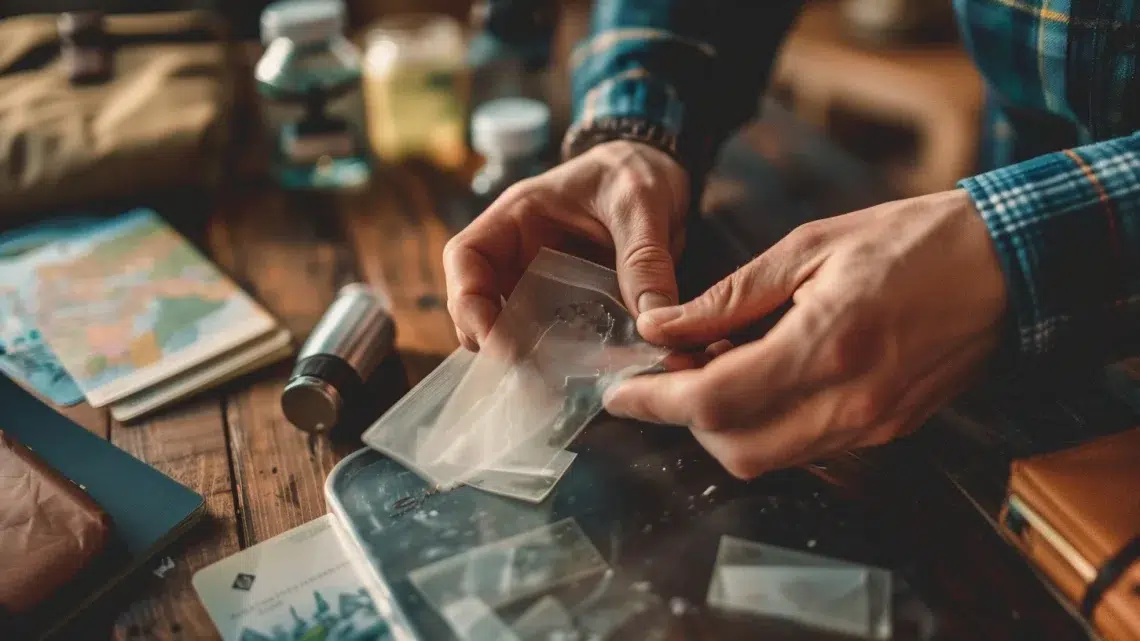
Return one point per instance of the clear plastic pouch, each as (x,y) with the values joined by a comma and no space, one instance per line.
(562,338)
(812,590)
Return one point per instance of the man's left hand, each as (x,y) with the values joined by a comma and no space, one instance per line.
(896,309)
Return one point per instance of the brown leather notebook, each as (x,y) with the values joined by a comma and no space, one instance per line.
(49,530)
(1076,515)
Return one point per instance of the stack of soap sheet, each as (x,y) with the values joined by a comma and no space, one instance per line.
(548,583)
(124,312)
(500,420)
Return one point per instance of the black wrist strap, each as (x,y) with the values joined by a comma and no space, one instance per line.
(580,139)
(1108,575)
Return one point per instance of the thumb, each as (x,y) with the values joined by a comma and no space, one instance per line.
(739,300)
(644,264)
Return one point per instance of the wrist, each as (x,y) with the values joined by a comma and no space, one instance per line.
(584,136)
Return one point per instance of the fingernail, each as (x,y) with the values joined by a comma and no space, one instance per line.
(662,315)
(652,300)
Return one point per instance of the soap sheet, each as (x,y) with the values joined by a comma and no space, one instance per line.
(547,583)
(500,420)
(809,589)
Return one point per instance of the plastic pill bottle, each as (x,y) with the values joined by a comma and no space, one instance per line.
(512,136)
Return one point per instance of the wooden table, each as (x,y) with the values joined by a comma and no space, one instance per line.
(261,476)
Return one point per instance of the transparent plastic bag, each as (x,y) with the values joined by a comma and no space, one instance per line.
(809,589)
(562,338)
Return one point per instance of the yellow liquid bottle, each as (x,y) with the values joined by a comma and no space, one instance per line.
(415,86)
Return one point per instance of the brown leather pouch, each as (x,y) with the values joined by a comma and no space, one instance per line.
(50,529)
(1076,515)
(161,120)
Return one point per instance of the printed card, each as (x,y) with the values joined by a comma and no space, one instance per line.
(299,585)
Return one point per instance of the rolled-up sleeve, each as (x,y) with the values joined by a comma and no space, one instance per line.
(1066,227)
(692,69)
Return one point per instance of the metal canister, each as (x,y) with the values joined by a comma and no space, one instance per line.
(351,339)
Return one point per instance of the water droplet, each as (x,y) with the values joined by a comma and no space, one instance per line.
(678,606)
(811,543)
(709,490)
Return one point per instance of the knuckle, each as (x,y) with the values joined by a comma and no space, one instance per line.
(647,255)
(451,251)
(729,292)
(454,310)
(807,237)
(517,191)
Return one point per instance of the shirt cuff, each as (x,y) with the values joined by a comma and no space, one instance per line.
(630,106)
(1065,226)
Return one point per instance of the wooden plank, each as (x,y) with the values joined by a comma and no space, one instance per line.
(96,420)
(289,252)
(188,444)
(399,239)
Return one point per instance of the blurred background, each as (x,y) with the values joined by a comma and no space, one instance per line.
(883,79)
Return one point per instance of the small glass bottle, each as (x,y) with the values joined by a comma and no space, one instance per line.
(512,136)
(307,64)
(415,89)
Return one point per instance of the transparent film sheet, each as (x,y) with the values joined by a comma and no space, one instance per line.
(515,568)
(399,431)
(518,476)
(812,590)
(611,611)
(562,338)
(542,620)
(528,472)
(473,620)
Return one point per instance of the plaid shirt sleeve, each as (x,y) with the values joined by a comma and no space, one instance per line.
(1066,226)
(692,70)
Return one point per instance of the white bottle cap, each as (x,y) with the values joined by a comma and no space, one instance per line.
(302,21)
(510,127)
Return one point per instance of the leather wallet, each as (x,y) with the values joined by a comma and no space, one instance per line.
(1076,515)
(49,529)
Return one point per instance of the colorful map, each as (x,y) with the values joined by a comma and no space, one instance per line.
(130,303)
(23,355)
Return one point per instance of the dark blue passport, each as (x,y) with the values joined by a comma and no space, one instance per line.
(148,509)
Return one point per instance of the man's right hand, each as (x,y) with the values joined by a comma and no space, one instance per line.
(620,203)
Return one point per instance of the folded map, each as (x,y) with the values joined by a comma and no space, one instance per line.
(130,303)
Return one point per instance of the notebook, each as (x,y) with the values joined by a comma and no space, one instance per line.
(148,509)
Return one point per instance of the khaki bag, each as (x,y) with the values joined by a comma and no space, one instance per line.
(160,121)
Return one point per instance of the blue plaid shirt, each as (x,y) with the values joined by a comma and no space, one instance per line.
(1061,188)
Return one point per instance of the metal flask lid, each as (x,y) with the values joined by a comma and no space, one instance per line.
(355,334)
(311,404)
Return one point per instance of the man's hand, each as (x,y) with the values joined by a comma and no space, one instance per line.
(620,203)
(896,308)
